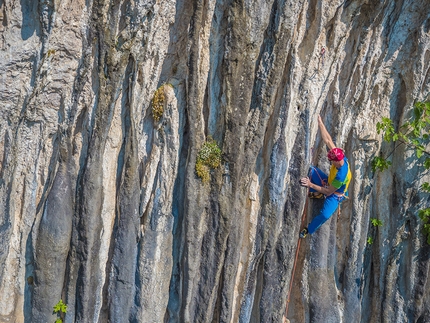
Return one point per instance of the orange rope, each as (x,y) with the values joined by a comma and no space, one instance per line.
(323,182)
(295,259)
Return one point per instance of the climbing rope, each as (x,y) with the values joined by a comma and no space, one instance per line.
(305,209)
(313,169)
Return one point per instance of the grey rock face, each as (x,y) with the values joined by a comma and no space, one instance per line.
(101,206)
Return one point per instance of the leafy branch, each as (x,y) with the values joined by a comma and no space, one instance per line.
(415,134)
(380,164)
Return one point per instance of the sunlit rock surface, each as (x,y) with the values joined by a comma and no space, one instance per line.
(101,206)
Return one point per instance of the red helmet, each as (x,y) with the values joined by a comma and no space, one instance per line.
(335,154)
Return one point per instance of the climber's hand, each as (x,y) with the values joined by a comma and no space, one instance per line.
(305,181)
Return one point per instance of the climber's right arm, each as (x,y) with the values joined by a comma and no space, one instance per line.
(325,135)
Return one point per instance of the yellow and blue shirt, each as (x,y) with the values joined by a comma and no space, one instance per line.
(340,177)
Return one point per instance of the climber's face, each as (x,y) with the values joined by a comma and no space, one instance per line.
(337,164)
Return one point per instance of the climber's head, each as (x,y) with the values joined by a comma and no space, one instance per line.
(335,154)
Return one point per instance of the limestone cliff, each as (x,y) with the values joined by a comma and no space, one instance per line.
(100,202)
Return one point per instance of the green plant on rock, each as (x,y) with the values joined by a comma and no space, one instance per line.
(415,134)
(425,187)
(158,101)
(376,222)
(60,309)
(50,52)
(380,164)
(424,215)
(209,157)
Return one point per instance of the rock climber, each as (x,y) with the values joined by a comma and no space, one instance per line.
(334,186)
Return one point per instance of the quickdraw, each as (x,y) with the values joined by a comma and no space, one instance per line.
(322,54)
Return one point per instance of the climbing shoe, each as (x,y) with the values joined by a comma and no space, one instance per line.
(304,233)
(316,195)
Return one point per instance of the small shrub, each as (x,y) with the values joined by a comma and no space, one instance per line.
(202,171)
(376,222)
(369,240)
(158,103)
(60,309)
(209,157)
(50,52)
